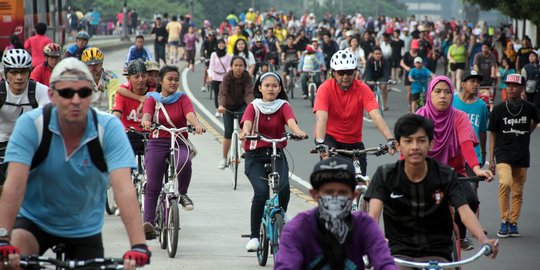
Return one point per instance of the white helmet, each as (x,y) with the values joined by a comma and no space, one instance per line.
(343,60)
(17,58)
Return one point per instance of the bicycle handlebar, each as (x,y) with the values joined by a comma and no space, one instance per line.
(144,133)
(373,83)
(485,250)
(287,136)
(375,151)
(97,263)
(472,178)
(188,128)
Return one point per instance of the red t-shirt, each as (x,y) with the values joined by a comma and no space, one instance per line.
(34,45)
(177,113)
(128,108)
(270,125)
(345,109)
(41,74)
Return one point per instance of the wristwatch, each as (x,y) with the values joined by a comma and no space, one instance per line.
(4,233)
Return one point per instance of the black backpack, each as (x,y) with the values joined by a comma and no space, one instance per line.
(94,146)
(31,95)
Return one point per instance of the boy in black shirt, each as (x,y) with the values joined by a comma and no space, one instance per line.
(416,194)
(511,124)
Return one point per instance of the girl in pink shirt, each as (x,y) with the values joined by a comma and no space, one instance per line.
(220,64)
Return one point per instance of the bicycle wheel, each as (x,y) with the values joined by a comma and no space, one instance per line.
(291,85)
(110,206)
(173,226)
(262,251)
(160,224)
(311,90)
(279,222)
(362,204)
(234,159)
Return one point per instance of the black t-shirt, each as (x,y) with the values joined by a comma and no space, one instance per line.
(523,54)
(302,43)
(417,218)
(367,46)
(512,133)
(397,45)
(291,54)
(160,32)
(424,47)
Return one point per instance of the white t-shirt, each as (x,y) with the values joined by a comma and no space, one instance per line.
(358,54)
(250,59)
(10,113)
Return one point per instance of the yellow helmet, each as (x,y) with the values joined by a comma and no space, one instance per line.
(92,56)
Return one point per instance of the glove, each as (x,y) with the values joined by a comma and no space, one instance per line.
(6,248)
(140,254)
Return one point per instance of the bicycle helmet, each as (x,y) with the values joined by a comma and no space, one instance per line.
(343,60)
(92,56)
(52,49)
(333,169)
(82,35)
(258,38)
(16,58)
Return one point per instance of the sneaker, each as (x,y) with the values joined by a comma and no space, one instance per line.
(117,212)
(149,231)
(252,245)
(222,164)
(466,243)
(503,230)
(514,230)
(218,115)
(203,89)
(186,202)
(304,96)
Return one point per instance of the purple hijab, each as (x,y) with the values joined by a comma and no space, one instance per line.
(445,141)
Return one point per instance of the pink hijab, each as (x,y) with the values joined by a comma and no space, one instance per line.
(445,141)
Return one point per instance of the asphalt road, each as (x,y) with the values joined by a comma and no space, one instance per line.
(210,236)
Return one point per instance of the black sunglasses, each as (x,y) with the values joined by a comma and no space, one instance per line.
(343,72)
(70,92)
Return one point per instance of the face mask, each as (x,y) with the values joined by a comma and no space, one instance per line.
(333,210)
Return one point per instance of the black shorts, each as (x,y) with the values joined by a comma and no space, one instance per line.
(456,66)
(83,248)
(417,96)
(287,65)
(396,61)
(407,82)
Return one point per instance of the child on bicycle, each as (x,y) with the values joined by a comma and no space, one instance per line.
(329,236)
(416,194)
(267,115)
(310,62)
(418,77)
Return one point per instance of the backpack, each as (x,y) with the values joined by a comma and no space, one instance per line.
(31,95)
(94,146)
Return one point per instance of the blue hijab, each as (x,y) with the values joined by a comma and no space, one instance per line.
(172,98)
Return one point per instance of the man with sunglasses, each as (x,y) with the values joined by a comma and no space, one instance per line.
(339,108)
(70,209)
(18,94)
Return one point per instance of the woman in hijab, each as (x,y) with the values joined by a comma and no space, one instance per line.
(453,142)
(218,68)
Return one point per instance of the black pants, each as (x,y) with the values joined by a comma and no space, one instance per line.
(215,87)
(472,201)
(332,143)
(228,119)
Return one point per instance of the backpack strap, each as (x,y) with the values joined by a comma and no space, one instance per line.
(32,94)
(3,93)
(94,147)
(46,136)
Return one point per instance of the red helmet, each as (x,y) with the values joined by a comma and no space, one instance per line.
(310,49)
(52,49)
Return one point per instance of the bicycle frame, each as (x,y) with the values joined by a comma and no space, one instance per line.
(233,157)
(435,265)
(312,86)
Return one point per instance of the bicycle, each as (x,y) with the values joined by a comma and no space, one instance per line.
(378,92)
(359,204)
(486,250)
(274,216)
(167,214)
(291,77)
(233,157)
(312,86)
(138,176)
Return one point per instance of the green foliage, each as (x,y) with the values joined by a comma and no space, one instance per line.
(520,9)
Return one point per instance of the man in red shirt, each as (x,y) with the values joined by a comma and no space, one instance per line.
(339,108)
(42,73)
(34,45)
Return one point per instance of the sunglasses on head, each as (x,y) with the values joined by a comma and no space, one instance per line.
(70,92)
(343,72)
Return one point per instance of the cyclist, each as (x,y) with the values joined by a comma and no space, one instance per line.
(81,44)
(175,111)
(138,51)
(511,124)
(152,71)
(36,43)
(259,51)
(207,48)
(235,92)
(42,73)
(137,77)
(18,94)
(274,48)
(378,70)
(453,142)
(290,55)
(267,114)
(241,49)
(341,101)
(329,47)
(105,80)
(312,60)
(329,236)
(26,206)
(416,194)
(418,77)
(358,53)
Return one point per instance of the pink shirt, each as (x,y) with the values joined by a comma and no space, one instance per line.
(465,133)
(219,66)
(270,125)
(177,113)
(34,45)
(41,74)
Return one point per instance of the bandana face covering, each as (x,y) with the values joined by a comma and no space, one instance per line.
(333,210)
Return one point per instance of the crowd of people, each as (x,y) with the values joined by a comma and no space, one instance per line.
(441,137)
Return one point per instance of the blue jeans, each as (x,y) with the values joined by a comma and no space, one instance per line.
(257,174)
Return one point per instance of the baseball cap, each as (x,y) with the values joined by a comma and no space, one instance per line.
(151,65)
(515,78)
(136,66)
(315,39)
(418,59)
(349,33)
(415,44)
(469,74)
(333,169)
(70,64)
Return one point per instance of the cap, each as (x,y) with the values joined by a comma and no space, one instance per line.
(136,66)
(151,65)
(333,169)
(418,59)
(315,39)
(349,33)
(415,44)
(469,74)
(70,64)
(515,78)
